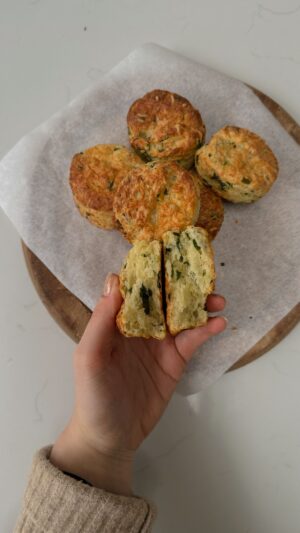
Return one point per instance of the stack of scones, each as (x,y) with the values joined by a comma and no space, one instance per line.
(166,197)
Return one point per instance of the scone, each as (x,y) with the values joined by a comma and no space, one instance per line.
(141,314)
(163,125)
(189,277)
(237,164)
(211,214)
(94,177)
(154,198)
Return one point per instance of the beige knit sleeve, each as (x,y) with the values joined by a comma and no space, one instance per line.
(56,503)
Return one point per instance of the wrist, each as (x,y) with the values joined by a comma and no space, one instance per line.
(103,468)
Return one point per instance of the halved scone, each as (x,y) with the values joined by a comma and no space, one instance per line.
(141,314)
(189,277)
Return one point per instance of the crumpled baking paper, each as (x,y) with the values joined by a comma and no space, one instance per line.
(258,245)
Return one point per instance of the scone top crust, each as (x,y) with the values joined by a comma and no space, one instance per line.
(211,214)
(237,164)
(155,198)
(164,125)
(96,173)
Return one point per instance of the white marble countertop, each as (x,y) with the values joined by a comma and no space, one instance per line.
(224,461)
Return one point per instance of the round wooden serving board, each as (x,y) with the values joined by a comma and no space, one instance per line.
(72,315)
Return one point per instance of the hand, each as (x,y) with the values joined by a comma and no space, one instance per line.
(122,385)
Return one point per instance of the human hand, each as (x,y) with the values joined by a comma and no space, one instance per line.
(122,386)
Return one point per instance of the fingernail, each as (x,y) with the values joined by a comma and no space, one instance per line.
(219,296)
(226,319)
(108,284)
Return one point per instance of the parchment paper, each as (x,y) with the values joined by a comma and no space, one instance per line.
(258,244)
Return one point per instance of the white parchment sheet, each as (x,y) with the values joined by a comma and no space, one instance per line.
(258,244)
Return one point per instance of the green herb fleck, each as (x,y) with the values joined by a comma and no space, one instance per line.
(143,155)
(204,272)
(188,236)
(247,181)
(143,134)
(110,184)
(186,263)
(224,185)
(128,289)
(145,295)
(196,245)
(177,235)
(167,249)
(178,274)
(165,192)
(181,258)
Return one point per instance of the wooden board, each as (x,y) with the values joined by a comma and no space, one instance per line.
(72,315)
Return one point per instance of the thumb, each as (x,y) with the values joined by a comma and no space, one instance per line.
(189,340)
(98,335)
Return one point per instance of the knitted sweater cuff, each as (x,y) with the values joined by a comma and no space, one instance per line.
(55,502)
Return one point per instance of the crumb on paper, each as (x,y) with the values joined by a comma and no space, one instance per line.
(234,328)
(222,264)
(85,28)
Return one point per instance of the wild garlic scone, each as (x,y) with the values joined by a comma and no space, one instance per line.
(165,126)
(237,164)
(189,277)
(94,177)
(211,214)
(154,198)
(141,314)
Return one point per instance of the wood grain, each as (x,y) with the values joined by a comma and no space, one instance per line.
(72,315)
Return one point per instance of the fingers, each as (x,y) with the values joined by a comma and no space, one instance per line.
(215,303)
(189,340)
(99,332)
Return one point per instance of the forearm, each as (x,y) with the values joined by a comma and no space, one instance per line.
(104,469)
(54,501)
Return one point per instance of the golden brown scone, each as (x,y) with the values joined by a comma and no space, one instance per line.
(211,214)
(164,125)
(189,277)
(141,314)
(237,164)
(154,198)
(94,177)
